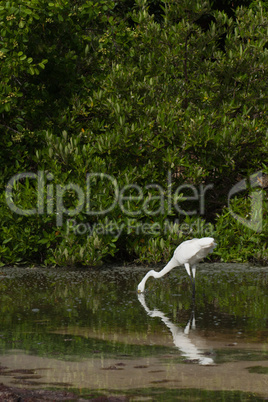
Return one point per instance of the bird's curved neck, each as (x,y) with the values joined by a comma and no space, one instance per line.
(171,264)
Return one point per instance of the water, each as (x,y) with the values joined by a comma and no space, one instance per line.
(89,331)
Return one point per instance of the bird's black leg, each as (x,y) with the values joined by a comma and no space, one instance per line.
(191,273)
(193,283)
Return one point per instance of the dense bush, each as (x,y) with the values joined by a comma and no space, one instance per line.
(169,108)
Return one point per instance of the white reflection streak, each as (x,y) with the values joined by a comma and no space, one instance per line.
(180,338)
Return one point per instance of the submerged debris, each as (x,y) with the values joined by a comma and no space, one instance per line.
(12,394)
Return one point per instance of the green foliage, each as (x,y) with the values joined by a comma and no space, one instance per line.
(239,243)
(91,252)
(94,87)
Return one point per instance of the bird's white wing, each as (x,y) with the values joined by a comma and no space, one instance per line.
(192,251)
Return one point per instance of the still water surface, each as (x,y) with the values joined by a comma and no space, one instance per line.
(90,330)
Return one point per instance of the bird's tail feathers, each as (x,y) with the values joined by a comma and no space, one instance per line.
(207,241)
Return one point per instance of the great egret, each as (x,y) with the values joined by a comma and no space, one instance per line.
(189,253)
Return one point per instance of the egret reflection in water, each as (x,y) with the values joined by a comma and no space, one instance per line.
(181,339)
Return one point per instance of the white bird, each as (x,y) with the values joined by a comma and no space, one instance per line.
(189,253)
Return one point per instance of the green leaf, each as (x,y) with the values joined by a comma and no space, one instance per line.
(7,240)
(43,241)
(31,70)
(7,107)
